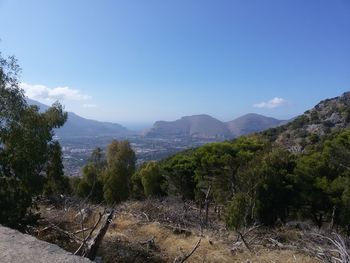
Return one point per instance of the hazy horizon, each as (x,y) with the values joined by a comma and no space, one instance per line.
(142,126)
(136,62)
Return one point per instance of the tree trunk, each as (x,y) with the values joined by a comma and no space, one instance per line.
(206,202)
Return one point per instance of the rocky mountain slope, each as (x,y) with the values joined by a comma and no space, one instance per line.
(328,116)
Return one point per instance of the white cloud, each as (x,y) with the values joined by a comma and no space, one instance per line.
(271,104)
(90,105)
(42,92)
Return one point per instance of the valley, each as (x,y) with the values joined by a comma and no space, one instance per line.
(80,136)
(77,151)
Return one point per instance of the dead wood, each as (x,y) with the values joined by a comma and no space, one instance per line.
(206,202)
(78,251)
(244,242)
(64,232)
(186,257)
(151,244)
(81,230)
(94,243)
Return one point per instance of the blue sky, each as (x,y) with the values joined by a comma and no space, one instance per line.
(137,61)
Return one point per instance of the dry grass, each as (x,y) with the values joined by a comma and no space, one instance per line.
(126,228)
(137,222)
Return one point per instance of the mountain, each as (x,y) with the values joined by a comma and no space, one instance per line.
(251,123)
(328,116)
(205,126)
(77,126)
(200,126)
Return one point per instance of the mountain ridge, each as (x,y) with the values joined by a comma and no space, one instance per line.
(202,126)
(77,126)
(206,126)
(251,123)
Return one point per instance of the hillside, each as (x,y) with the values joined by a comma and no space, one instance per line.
(79,127)
(251,123)
(328,116)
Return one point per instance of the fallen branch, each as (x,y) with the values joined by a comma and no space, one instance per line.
(146,216)
(244,242)
(94,243)
(89,235)
(275,242)
(70,235)
(150,243)
(81,230)
(186,257)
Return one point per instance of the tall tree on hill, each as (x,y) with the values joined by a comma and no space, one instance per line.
(98,159)
(56,183)
(151,179)
(121,161)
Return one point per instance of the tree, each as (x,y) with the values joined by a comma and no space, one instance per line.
(98,159)
(151,179)
(275,191)
(237,212)
(90,185)
(55,183)
(313,182)
(215,168)
(25,136)
(121,161)
(218,166)
(179,172)
(337,152)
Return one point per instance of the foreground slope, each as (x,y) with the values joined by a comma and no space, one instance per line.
(163,230)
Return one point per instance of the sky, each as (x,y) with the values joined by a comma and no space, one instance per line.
(135,61)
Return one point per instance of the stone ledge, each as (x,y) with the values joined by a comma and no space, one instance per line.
(16,247)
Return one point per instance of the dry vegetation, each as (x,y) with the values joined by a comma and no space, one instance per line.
(169,230)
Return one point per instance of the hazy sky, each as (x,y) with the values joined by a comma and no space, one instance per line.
(143,60)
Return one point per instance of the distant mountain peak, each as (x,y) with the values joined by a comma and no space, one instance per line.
(201,125)
(251,123)
(78,127)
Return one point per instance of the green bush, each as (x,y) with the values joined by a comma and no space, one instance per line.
(237,212)
(151,179)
